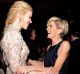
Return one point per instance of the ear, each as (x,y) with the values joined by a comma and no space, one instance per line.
(19,15)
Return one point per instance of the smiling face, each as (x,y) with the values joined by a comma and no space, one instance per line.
(57,28)
(52,30)
(26,20)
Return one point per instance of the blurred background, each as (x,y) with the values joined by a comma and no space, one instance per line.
(43,10)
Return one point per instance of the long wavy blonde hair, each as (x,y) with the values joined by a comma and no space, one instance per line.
(18,7)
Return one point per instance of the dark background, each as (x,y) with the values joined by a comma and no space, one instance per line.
(43,10)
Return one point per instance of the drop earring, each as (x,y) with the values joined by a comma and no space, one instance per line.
(61,35)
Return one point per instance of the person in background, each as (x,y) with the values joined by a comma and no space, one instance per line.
(15,50)
(32,44)
(55,59)
(74,57)
(74,36)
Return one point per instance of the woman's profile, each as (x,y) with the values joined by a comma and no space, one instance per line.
(15,50)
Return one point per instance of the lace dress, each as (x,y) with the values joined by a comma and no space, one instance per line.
(15,50)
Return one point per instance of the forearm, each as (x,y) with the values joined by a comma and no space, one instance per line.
(54,70)
(29,69)
(36,68)
(36,63)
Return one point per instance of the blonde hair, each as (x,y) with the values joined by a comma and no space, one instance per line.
(60,23)
(18,7)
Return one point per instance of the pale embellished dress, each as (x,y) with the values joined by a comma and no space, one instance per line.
(15,50)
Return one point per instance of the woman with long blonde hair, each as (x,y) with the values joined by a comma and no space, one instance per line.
(15,50)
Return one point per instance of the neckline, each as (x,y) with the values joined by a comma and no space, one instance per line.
(56,44)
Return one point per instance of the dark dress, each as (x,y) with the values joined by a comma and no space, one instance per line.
(74,58)
(51,56)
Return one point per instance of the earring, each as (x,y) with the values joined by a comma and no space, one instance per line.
(61,34)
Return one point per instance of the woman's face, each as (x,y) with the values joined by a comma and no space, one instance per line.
(52,30)
(33,34)
(26,19)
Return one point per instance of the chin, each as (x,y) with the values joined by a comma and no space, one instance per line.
(25,28)
(48,37)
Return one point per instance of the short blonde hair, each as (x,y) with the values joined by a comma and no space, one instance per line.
(18,7)
(60,23)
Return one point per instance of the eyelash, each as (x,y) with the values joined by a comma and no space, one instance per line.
(50,25)
(30,17)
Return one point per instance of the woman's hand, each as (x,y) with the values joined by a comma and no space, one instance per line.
(34,69)
(23,70)
(35,63)
(27,69)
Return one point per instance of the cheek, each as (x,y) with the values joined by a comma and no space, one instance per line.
(53,33)
(25,23)
(27,20)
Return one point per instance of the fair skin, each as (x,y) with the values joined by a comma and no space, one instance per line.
(53,34)
(26,19)
(22,21)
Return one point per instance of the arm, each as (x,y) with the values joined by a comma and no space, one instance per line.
(62,55)
(36,63)
(32,70)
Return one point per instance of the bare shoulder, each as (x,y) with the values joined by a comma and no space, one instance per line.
(65,45)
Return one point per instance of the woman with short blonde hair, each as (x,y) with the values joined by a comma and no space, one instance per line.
(60,23)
